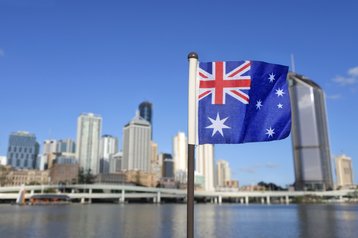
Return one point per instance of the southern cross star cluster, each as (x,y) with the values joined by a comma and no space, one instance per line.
(218,125)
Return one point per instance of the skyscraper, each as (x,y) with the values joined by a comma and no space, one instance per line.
(22,150)
(145,112)
(49,150)
(344,171)
(312,158)
(223,173)
(205,165)
(66,146)
(180,155)
(108,147)
(137,145)
(168,166)
(89,128)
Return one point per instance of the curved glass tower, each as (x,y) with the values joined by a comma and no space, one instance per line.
(145,111)
(312,158)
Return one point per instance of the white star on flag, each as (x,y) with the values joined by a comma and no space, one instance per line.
(279,92)
(259,104)
(270,132)
(279,106)
(218,125)
(271,77)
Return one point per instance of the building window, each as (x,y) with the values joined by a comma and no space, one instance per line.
(20,149)
(25,164)
(14,148)
(25,149)
(17,163)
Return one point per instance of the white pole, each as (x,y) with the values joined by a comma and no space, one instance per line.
(193,64)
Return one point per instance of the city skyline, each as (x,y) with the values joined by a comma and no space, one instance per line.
(51,71)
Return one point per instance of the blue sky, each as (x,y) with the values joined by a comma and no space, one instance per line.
(61,58)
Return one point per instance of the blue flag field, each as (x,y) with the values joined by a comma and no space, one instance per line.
(242,101)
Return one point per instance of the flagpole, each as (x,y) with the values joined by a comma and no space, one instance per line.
(193,61)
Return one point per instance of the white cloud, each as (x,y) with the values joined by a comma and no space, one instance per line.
(350,79)
(353,72)
(344,81)
(334,96)
(254,168)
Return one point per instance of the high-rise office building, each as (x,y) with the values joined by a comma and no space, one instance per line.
(137,145)
(223,173)
(168,166)
(115,162)
(89,128)
(66,146)
(312,158)
(22,150)
(205,165)
(56,151)
(108,147)
(344,171)
(146,112)
(49,149)
(180,155)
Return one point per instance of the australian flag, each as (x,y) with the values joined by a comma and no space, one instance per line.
(242,101)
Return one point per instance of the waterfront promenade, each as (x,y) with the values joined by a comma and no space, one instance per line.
(85,193)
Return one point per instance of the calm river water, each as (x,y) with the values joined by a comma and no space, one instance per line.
(169,220)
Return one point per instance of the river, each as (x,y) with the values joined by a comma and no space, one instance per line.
(169,220)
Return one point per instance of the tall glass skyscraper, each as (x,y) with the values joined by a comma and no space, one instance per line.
(312,158)
(22,150)
(168,166)
(145,112)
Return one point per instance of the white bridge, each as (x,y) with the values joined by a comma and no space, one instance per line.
(124,193)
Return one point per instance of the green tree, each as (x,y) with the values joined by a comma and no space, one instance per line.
(81,176)
(89,177)
(85,177)
(270,186)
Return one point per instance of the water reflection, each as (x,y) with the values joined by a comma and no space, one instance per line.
(327,220)
(317,221)
(169,221)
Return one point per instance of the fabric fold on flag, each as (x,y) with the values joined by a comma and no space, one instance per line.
(242,101)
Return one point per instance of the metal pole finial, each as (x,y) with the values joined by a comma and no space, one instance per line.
(193,55)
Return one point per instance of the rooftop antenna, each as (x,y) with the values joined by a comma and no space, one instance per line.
(293,68)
